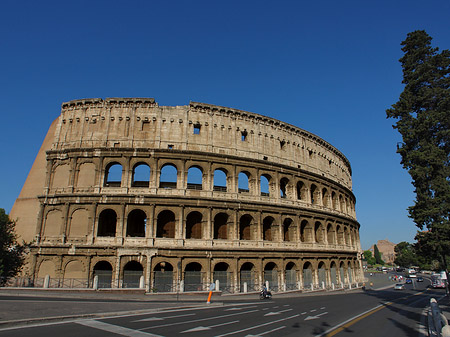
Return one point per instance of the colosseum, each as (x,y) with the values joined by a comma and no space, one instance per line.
(125,193)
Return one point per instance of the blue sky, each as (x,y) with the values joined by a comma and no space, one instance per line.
(328,67)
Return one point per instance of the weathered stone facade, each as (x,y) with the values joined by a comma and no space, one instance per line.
(123,188)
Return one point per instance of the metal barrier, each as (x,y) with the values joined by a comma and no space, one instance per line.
(437,322)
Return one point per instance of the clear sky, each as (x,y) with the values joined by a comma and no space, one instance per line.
(329,67)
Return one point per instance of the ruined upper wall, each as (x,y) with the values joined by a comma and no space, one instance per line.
(142,123)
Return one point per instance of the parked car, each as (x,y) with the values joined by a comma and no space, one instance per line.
(408,281)
(399,286)
(419,279)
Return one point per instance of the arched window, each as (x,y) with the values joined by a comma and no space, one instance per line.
(243,179)
(136,223)
(247,276)
(307,275)
(322,275)
(132,273)
(245,223)
(283,186)
(267,229)
(194,178)
(193,277)
(288,230)
(168,178)
(223,275)
(103,271)
(313,193)
(220,180)
(318,230)
(221,226)
(331,234)
(163,277)
(113,175)
(271,275)
(107,221)
(165,225)
(264,184)
(194,225)
(325,197)
(141,175)
(290,276)
(300,190)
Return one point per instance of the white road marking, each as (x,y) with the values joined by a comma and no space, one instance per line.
(260,325)
(315,317)
(119,330)
(197,320)
(203,328)
(276,329)
(160,318)
(233,309)
(277,312)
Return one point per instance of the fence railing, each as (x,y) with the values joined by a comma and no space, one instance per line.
(437,322)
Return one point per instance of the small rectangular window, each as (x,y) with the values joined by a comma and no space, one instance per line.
(244,136)
(170,147)
(196,129)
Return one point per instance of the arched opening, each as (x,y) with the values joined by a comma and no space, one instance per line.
(220,180)
(103,270)
(163,277)
(222,274)
(168,178)
(221,226)
(245,223)
(288,230)
(331,234)
(141,175)
(334,200)
(340,235)
(283,187)
(165,225)
(267,229)
(271,275)
(107,221)
(194,225)
(342,273)
(194,178)
(113,175)
(247,276)
(350,273)
(264,185)
(307,275)
(322,275)
(136,223)
(300,190)
(290,276)
(318,231)
(325,197)
(333,274)
(313,194)
(305,231)
(193,277)
(243,182)
(132,273)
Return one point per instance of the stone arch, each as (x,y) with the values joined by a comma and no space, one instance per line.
(79,223)
(103,270)
(74,269)
(271,275)
(193,278)
(163,277)
(284,184)
(136,223)
(319,232)
(53,223)
(165,224)
(268,229)
(220,180)
(61,176)
(140,175)
(195,178)
(86,175)
(306,231)
(247,275)
(221,226)
(169,176)
(113,175)
(322,273)
(307,275)
(333,273)
(264,184)
(132,273)
(222,273)
(314,194)
(245,227)
(244,182)
(291,276)
(46,267)
(325,197)
(331,234)
(194,227)
(107,222)
(288,230)
(301,190)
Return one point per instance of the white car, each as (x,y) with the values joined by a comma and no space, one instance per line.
(399,286)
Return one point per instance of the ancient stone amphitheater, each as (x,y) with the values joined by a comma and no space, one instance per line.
(125,193)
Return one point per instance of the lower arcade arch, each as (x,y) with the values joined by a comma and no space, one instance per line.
(132,273)
(322,273)
(103,271)
(307,275)
(163,278)
(271,275)
(247,277)
(222,274)
(290,276)
(193,277)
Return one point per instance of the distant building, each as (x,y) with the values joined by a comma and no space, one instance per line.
(386,249)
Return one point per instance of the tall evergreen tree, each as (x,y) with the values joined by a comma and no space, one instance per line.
(423,120)
(377,255)
(11,252)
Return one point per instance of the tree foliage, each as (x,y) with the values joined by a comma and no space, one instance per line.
(11,252)
(377,255)
(423,120)
(405,255)
(368,257)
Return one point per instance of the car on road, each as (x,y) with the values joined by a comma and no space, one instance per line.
(399,286)
(419,279)
(408,281)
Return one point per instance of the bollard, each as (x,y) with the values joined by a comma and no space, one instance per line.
(332,286)
(323,285)
(217,285)
(142,282)
(245,287)
(95,284)
(181,286)
(47,281)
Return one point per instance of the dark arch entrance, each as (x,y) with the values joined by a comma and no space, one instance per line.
(103,270)
(247,275)
(163,277)
(193,277)
(222,274)
(132,273)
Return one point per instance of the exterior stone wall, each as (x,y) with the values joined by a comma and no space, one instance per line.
(189,195)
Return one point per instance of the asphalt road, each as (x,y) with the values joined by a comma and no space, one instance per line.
(370,313)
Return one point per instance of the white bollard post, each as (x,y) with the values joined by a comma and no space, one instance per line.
(217,285)
(267,285)
(95,284)
(141,282)
(299,285)
(245,287)
(323,285)
(47,281)
(312,287)
(332,286)
(181,286)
